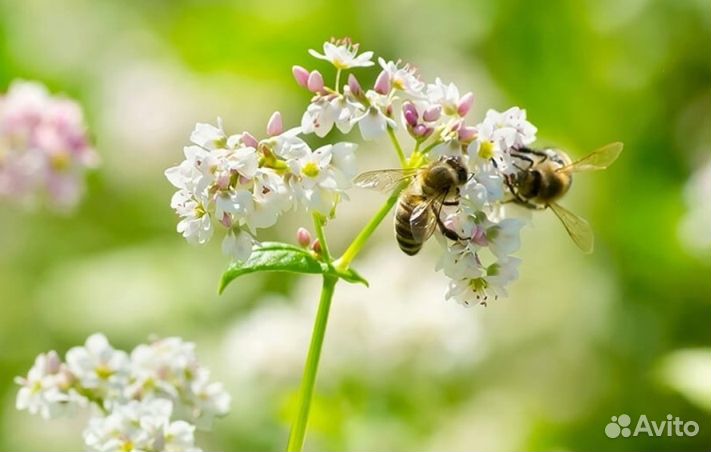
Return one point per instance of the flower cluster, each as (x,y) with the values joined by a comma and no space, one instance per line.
(44,148)
(134,396)
(244,184)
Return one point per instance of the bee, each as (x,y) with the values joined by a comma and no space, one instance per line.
(542,177)
(420,203)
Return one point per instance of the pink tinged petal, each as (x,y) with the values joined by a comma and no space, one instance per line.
(354,86)
(382,83)
(466,133)
(410,113)
(226,220)
(303,237)
(432,113)
(249,140)
(275,126)
(301,75)
(465,104)
(315,82)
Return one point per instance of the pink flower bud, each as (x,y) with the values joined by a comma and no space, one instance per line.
(354,86)
(53,362)
(249,140)
(432,113)
(316,246)
(301,75)
(303,237)
(466,133)
(409,112)
(465,104)
(422,131)
(315,82)
(382,83)
(275,126)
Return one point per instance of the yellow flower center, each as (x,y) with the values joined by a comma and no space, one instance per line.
(103,371)
(311,170)
(486,150)
(478,284)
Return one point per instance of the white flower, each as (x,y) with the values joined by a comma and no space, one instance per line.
(208,136)
(373,123)
(313,180)
(492,284)
(47,388)
(195,224)
(447,95)
(403,78)
(209,399)
(319,117)
(459,262)
(238,245)
(504,237)
(140,426)
(98,366)
(271,197)
(162,368)
(343,55)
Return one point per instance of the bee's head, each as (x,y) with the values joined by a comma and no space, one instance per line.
(456,164)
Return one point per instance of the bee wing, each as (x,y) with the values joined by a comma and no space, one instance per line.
(598,159)
(384,180)
(578,228)
(423,221)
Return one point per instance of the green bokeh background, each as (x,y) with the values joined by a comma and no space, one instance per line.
(580,339)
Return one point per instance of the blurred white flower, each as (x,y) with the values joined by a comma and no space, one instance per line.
(343,54)
(136,397)
(98,366)
(47,388)
(44,147)
(140,426)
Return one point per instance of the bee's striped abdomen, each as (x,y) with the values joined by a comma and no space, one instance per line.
(403,231)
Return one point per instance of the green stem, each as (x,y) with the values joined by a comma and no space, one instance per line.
(320,234)
(398,148)
(358,243)
(338,81)
(306,391)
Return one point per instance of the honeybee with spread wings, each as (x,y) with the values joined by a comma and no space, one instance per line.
(542,177)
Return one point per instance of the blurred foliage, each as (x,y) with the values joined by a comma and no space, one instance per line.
(581,338)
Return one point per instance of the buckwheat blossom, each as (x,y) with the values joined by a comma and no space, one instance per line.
(44,148)
(140,426)
(498,134)
(98,367)
(239,185)
(151,401)
(47,389)
(343,54)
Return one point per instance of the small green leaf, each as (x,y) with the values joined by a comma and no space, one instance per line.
(353,276)
(274,256)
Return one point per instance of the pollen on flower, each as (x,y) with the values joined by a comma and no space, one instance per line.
(486,150)
(310,170)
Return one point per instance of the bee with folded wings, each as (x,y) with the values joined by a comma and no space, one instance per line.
(540,179)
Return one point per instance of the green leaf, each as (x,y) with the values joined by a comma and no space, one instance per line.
(353,276)
(274,256)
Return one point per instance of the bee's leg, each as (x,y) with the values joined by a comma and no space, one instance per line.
(450,203)
(534,152)
(523,157)
(450,234)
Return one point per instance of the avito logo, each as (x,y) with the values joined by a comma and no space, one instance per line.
(672,426)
